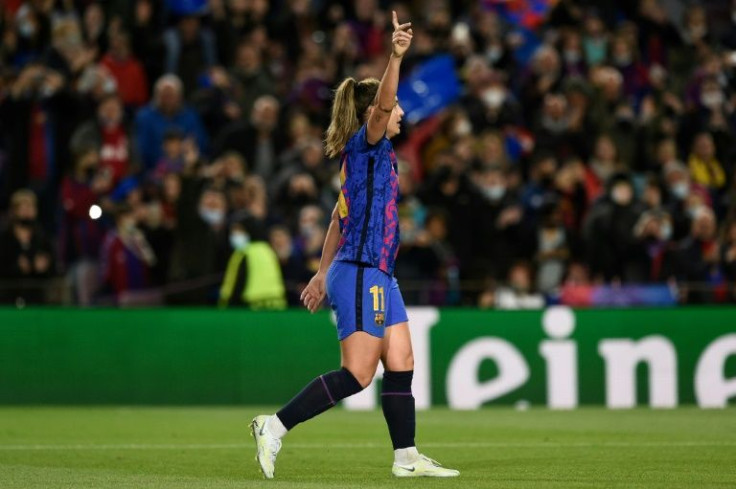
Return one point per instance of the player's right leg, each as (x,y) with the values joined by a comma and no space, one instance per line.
(396,396)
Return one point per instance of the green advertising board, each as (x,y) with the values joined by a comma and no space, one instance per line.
(463,358)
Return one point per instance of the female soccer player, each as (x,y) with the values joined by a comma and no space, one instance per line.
(356,273)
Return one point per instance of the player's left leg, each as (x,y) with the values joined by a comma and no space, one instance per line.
(397,400)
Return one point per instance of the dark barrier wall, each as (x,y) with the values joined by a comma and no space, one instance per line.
(465,358)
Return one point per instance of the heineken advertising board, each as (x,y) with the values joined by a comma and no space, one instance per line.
(465,359)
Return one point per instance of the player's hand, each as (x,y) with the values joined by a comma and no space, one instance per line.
(314,293)
(401,39)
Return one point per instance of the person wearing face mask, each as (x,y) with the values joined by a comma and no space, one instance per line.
(607,231)
(680,191)
(253,275)
(26,256)
(650,258)
(201,247)
(489,103)
(126,258)
(498,226)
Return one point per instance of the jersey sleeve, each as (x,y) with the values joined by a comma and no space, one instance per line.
(359,141)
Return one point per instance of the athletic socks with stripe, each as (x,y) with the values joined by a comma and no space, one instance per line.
(397,403)
(326,390)
(317,397)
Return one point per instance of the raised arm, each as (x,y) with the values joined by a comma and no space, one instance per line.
(386,97)
(314,293)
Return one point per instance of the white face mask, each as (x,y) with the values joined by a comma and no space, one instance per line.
(712,100)
(665,232)
(213,217)
(680,190)
(463,128)
(494,53)
(239,240)
(494,97)
(494,192)
(26,28)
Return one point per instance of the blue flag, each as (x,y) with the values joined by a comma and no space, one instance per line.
(432,86)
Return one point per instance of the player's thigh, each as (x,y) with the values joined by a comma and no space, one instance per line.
(360,355)
(396,352)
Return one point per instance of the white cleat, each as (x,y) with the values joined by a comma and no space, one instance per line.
(423,467)
(267,445)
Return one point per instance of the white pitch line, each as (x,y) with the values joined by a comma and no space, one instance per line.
(227,446)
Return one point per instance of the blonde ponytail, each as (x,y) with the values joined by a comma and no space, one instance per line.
(352,99)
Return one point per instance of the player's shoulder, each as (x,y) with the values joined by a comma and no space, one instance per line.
(358,142)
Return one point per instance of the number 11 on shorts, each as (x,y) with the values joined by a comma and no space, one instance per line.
(378,298)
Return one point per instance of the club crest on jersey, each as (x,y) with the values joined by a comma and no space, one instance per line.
(380,318)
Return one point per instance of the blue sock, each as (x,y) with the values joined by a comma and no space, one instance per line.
(398,408)
(318,396)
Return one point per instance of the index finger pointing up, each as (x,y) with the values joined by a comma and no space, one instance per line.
(395,20)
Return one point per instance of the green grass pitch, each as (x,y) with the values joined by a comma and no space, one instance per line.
(193,448)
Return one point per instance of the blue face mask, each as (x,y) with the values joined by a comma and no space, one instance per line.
(239,241)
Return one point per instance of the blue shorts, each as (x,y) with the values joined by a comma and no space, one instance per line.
(364,299)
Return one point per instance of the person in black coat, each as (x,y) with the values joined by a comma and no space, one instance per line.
(26,256)
(608,230)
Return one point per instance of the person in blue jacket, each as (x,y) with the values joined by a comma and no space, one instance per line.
(166,111)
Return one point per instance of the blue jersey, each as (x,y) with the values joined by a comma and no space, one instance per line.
(369,219)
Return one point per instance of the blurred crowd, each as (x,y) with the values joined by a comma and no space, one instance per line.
(171,152)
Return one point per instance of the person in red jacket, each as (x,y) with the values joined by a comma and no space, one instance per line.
(127,70)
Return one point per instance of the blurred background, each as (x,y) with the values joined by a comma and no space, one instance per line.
(553,152)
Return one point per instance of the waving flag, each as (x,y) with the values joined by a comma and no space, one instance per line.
(431,86)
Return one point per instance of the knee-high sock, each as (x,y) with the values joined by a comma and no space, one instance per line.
(319,396)
(398,408)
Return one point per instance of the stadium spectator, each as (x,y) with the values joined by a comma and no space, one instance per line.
(108,133)
(705,168)
(82,233)
(258,139)
(26,253)
(519,292)
(126,257)
(166,111)
(200,239)
(546,118)
(651,255)
(552,250)
(608,230)
(253,275)
(293,266)
(698,258)
(252,78)
(189,50)
(132,80)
